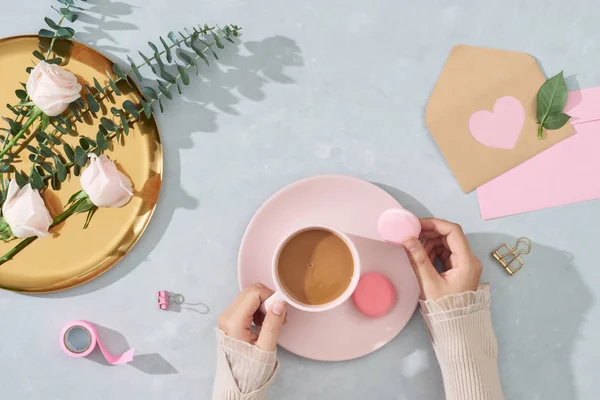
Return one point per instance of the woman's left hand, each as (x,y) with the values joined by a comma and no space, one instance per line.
(236,320)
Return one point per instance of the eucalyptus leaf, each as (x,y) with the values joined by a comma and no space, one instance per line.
(217,41)
(21,94)
(46,33)
(98,86)
(147,109)
(45,151)
(69,152)
(51,23)
(47,167)
(147,61)
(80,156)
(119,72)
(65,33)
(199,52)
(71,16)
(61,171)
(36,180)
(21,178)
(101,140)
(172,38)
(185,78)
(149,93)
(5,167)
(125,126)
(168,77)
(61,129)
(159,62)
(153,47)
(54,182)
(164,90)
(167,49)
(114,87)
(92,103)
(55,140)
(108,124)
(135,69)
(38,55)
(131,108)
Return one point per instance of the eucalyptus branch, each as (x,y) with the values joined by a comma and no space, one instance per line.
(60,21)
(104,90)
(36,112)
(108,129)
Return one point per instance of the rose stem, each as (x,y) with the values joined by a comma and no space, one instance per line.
(26,242)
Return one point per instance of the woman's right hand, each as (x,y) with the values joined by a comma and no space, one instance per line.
(446,241)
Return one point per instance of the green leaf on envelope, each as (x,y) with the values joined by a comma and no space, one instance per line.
(556,121)
(551,101)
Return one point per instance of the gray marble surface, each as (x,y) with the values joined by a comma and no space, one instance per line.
(315,87)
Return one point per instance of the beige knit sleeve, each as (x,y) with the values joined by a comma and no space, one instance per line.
(460,327)
(244,372)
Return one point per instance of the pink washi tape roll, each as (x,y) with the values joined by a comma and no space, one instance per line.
(79,338)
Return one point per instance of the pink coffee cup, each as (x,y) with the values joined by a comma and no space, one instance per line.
(281,294)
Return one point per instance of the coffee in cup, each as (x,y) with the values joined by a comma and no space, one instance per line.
(314,269)
(315,266)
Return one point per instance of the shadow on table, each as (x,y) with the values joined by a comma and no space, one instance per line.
(537,316)
(98,22)
(238,75)
(115,343)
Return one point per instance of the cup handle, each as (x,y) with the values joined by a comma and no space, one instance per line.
(268,303)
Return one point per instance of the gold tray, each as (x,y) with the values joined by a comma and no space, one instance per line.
(74,256)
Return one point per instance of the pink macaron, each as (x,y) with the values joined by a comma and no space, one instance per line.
(397,224)
(375,295)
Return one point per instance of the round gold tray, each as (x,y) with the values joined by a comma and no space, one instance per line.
(73,256)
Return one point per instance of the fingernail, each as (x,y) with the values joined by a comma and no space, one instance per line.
(411,243)
(279,307)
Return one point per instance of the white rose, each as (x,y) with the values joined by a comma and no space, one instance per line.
(52,88)
(25,212)
(105,185)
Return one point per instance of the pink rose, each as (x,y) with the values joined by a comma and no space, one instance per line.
(25,212)
(105,185)
(52,88)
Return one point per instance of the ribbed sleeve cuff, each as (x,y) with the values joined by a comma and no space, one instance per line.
(244,372)
(463,338)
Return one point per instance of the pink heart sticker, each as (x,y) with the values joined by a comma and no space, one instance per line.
(501,128)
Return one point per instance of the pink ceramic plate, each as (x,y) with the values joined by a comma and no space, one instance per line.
(353,206)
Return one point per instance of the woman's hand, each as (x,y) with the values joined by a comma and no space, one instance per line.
(446,241)
(236,320)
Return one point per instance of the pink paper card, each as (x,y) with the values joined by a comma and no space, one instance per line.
(566,173)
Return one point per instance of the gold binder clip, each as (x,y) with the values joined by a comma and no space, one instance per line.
(510,258)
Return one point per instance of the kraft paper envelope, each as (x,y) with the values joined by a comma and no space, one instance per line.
(566,173)
(473,79)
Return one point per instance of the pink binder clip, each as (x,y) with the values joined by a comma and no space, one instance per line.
(163,300)
(166,299)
